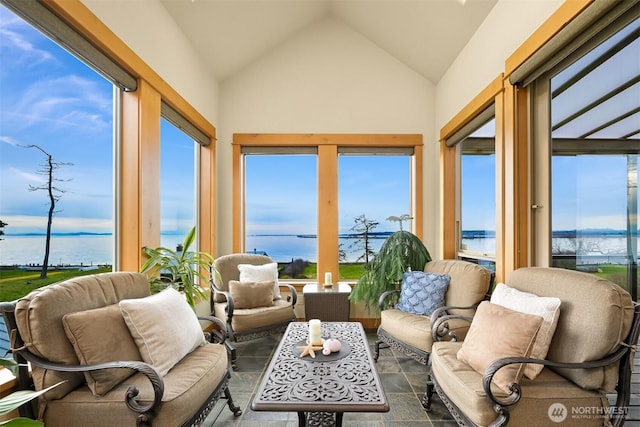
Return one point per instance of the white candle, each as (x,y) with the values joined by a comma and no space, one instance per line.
(315,337)
(327,278)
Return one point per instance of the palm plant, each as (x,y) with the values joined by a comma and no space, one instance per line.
(16,399)
(402,251)
(183,270)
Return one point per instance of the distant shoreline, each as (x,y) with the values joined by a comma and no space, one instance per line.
(468,234)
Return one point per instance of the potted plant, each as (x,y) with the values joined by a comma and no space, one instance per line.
(401,251)
(184,270)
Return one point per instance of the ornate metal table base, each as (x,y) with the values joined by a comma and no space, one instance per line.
(320,419)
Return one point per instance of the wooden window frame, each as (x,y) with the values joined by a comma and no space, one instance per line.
(138,160)
(327,146)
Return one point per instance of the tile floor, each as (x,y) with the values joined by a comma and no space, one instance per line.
(403,380)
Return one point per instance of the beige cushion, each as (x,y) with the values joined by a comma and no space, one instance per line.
(164,327)
(186,388)
(525,302)
(247,319)
(39,318)
(498,332)
(596,317)
(251,294)
(261,273)
(227,266)
(468,285)
(99,336)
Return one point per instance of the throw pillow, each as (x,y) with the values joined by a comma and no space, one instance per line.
(498,332)
(86,332)
(164,327)
(261,273)
(524,302)
(421,293)
(251,294)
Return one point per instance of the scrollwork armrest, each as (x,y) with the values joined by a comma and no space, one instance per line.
(227,296)
(440,321)
(144,411)
(292,290)
(384,296)
(516,393)
(219,332)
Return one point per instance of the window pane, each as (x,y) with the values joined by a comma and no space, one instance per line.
(477,196)
(370,190)
(594,165)
(281,207)
(52,101)
(177,185)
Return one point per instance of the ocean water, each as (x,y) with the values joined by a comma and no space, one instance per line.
(98,250)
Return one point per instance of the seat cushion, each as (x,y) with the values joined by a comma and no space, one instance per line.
(415,330)
(463,386)
(39,319)
(252,318)
(187,386)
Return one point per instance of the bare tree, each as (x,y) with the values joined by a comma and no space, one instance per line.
(54,193)
(363,227)
(2,225)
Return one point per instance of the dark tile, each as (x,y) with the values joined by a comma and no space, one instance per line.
(395,383)
(404,407)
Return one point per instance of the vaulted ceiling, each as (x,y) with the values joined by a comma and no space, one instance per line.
(426,35)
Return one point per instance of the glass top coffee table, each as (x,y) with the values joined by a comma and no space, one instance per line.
(321,389)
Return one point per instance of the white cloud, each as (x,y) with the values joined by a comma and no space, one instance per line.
(9,140)
(28,176)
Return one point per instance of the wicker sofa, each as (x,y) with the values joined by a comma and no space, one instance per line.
(589,356)
(78,332)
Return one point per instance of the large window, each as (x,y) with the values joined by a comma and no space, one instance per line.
(281,207)
(594,99)
(52,104)
(177,184)
(372,189)
(304,199)
(477,230)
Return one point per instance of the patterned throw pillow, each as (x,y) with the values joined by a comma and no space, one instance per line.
(421,293)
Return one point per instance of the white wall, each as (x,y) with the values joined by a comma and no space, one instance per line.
(148,29)
(508,25)
(326,79)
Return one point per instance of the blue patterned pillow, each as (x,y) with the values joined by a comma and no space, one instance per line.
(421,292)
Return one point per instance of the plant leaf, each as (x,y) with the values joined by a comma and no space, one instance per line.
(22,422)
(15,399)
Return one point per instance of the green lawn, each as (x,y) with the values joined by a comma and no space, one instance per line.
(18,283)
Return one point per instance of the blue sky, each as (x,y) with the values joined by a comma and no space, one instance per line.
(56,102)
(51,99)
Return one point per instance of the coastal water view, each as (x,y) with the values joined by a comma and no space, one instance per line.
(97,249)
